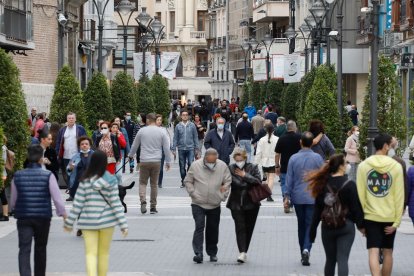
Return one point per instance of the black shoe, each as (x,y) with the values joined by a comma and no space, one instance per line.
(69,199)
(143,207)
(270,199)
(4,218)
(198,258)
(160,186)
(79,233)
(153,211)
(131,170)
(182,186)
(305,258)
(213,259)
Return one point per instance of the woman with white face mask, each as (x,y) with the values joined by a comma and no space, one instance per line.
(331,188)
(352,154)
(243,210)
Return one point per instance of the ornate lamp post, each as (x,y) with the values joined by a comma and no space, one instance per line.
(123,9)
(248,46)
(101,14)
(267,43)
(157,35)
(144,20)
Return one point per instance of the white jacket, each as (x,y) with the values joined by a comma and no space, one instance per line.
(265,152)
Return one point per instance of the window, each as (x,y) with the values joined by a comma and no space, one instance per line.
(202,63)
(158,15)
(17,4)
(201,20)
(172,22)
(131,46)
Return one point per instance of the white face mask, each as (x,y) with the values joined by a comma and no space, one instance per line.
(348,169)
(356,133)
(220,126)
(85,151)
(128,118)
(241,164)
(210,165)
(104,131)
(391,152)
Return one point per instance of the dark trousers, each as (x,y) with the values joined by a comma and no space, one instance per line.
(161,170)
(73,189)
(304,213)
(337,244)
(244,222)
(208,219)
(28,229)
(63,165)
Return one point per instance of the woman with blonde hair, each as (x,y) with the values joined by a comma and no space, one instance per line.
(265,155)
(352,154)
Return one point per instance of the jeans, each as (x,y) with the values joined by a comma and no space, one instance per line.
(63,165)
(247,145)
(352,174)
(337,244)
(304,213)
(244,222)
(28,229)
(208,219)
(151,171)
(97,244)
(160,177)
(283,183)
(185,157)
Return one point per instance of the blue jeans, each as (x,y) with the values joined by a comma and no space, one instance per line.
(185,157)
(247,145)
(283,183)
(304,213)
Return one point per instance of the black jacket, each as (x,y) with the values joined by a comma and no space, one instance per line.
(224,146)
(115,145)
(244,131)
(239,198)
(348,197)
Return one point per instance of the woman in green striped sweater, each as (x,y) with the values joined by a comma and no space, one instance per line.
(98,210)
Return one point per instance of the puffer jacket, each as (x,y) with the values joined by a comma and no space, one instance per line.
(239,198)
(410,176)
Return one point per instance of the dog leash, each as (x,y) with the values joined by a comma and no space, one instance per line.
(122,166)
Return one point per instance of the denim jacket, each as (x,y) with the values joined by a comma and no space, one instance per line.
(185,137)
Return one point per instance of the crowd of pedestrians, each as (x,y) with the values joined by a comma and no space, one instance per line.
(243,150)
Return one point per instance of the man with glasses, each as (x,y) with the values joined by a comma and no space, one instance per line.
(186,140)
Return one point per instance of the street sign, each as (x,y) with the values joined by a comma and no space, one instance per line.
(407,60)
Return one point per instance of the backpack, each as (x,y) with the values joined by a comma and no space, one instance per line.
(334,213)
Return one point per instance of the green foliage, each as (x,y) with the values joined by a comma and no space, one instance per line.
(161,96)
(321,105)
(256,95)
(123,95)
(67,98)
(97,99)
(145,101)
(305,87)
(13,111)
(289,102)
(274,92)
(2,162)
(245,96)
(390,116)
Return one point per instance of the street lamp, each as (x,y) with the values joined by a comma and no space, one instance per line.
(304,29)
(144,20)
(318,11)
(373,123)
(157,34)
(267,43)
(311,23)
(124,8)
(291,32)
(247,46)
(101,15)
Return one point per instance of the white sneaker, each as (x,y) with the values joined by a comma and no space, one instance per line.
(242,258)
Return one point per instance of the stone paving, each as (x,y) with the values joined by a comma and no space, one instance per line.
(161,244)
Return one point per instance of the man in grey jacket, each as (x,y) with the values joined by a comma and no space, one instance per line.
(186,140)
(153,140)
(208,181)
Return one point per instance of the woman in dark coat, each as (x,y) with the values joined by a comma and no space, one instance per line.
(243,210)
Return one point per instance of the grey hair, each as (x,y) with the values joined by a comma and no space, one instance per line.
(240,152)
(291,125)
(283,119)
(211,151)
(220,118)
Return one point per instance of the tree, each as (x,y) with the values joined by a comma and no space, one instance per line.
(245,98)
(255,95)
(305,87)
(145,101)
(97,99)
(321,105)
(67,97)
(2,162)
(123,95)
(13,111)
(161,96)
(390,116)
(274,92)
(289,102)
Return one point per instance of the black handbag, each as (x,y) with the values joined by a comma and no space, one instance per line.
(259,192)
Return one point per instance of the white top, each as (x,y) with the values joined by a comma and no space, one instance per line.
(70,145)
(265,152)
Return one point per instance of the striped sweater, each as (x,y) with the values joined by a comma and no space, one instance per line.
(92,210)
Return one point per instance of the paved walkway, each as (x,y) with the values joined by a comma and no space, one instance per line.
(161,244)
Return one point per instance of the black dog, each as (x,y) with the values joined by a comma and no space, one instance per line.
(122,193)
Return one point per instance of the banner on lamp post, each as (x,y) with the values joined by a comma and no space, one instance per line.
(278,68)
(168,64)
(138,61)
(259,69)
(293,68)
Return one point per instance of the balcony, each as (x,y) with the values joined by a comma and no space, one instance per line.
(15,28)
(198,35)
(270,10)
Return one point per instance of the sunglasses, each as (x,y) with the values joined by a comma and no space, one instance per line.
(104,128)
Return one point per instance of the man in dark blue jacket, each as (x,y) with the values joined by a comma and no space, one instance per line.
(245,134)
(31,190)
(221,140)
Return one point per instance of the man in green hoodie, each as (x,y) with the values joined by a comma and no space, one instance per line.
(381,194)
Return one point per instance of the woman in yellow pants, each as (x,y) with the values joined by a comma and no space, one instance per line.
(98,210)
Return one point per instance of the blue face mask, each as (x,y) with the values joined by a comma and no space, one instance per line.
(220,126)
